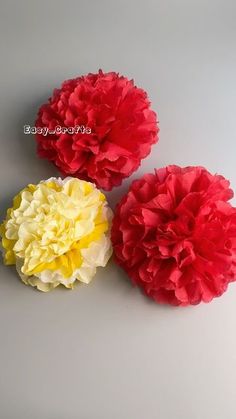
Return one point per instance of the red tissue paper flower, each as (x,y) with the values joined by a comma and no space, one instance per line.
(117,128)
(174,233)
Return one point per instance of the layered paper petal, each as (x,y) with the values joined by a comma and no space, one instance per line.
(123,128)
(174,233)
(57,232)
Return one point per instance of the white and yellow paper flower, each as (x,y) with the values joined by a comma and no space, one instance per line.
(57,232)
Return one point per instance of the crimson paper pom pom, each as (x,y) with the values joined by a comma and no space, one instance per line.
(175,235)
(122,125)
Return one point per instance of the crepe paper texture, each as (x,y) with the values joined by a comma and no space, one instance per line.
(122,128)
(174,233)
(57,232)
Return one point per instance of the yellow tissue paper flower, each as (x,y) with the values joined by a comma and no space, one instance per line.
(57,232)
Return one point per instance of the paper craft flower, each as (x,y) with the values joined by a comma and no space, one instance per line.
(123,128)
(174,233)
(57,232)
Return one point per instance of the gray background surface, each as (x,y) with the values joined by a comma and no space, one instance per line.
(105,351)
